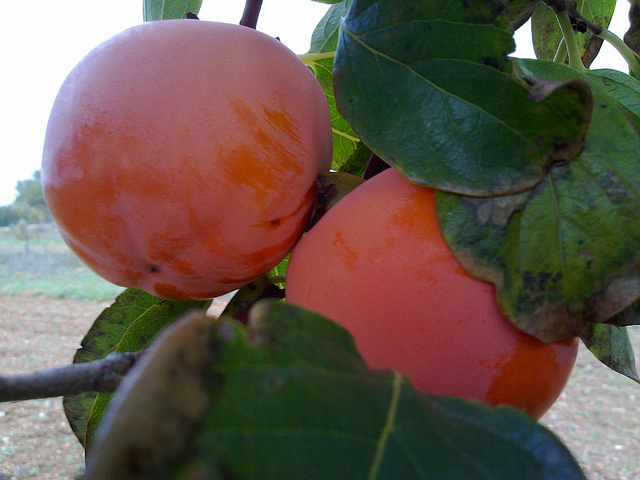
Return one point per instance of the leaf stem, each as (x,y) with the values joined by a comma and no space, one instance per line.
(311,58)
(629,55)
(570,40)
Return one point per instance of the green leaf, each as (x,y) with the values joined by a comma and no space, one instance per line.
(288,397)
(620,86)
(248,295)
(126,326)
(564,255)
(357,163)
(443,111)
(546,33)
(323,41)
(100,340)
(169,9)
(611,345)
(281,268)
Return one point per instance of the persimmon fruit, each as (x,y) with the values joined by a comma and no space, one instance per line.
(180,156)
(377,264)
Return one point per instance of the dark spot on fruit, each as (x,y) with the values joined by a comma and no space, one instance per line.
(153,269)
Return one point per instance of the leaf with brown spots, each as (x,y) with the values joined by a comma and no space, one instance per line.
(564,255)
(126,326)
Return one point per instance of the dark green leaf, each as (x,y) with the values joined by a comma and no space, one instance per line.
(169,9)
(564,255)
(611,345)
(547,35)
(427,86)
(126,326)
(290,398)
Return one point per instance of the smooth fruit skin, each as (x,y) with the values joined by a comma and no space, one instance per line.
(181,156)
(377,264)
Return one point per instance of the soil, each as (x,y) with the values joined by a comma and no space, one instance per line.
(597,416)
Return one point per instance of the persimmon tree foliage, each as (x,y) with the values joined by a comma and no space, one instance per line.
(524,172)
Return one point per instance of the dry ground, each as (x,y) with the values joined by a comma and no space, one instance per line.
(598,415)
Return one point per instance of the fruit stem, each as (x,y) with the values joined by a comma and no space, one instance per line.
(629,55)
(311,58)
(570,39)
(276,279)
(251,13)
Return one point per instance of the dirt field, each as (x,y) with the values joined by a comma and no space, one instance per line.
(598,415)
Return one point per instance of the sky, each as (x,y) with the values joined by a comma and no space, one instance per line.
(39,48)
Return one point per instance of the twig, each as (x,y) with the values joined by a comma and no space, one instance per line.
(251,13)
(102,375)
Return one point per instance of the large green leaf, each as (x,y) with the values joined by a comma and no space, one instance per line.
(288,397)
(546,33)
(126,326)
(427,86)
(564,255)
(169,9)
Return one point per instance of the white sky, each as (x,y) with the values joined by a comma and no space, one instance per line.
(38,48)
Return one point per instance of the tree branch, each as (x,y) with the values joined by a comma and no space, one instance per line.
(251,13)
(102,375)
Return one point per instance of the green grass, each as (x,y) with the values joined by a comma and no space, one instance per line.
(48,268)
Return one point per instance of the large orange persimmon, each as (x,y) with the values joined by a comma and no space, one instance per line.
(181,156)
(377,264)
